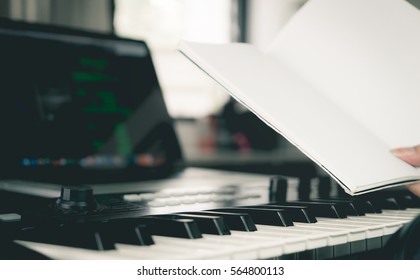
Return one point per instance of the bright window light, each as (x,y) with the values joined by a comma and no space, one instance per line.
(162,24)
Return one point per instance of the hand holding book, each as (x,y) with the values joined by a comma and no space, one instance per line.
(339,74)
(410,155)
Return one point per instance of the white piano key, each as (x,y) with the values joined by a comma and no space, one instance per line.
(388,217)
(162,251)
(239,245)
(389,226)
(399,213)
(355,232)
(208,244)
(264,248)
(361,229)
(235,246)
(155,254)
(71,253)
(273,243)
(314,239)
(382,220)
(123,251)
(412,210)
(336,235)
(374,228)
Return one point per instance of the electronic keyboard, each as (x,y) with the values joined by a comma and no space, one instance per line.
(230,222)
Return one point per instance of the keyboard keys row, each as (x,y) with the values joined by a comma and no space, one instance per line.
(318,228)
(329,238)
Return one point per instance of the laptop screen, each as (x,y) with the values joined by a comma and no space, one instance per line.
(79,107)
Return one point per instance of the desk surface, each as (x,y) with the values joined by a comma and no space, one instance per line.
(200,149)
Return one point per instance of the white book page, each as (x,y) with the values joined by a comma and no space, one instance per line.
(364,55)
(311,121)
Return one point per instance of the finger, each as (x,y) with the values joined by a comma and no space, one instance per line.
(415,188)
(410,155)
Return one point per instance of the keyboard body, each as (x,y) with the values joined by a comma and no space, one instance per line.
(257,219)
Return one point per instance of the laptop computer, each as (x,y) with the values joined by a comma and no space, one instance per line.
(80,108)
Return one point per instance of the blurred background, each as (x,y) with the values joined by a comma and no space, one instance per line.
(214,130)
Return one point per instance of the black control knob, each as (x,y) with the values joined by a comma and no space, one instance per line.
(76,198)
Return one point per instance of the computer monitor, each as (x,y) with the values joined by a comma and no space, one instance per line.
(80,107)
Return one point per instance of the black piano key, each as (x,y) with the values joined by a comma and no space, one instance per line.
(324,187)
(272,217)
(369,207)
(234,221)
(81,235)
(128,231)
(304,188)
(412,200)
(278,188)
(399,199)
(171,226)
(407,199)
(295,213)
(208,224)
(351,207)
(387,203)
(321,209)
